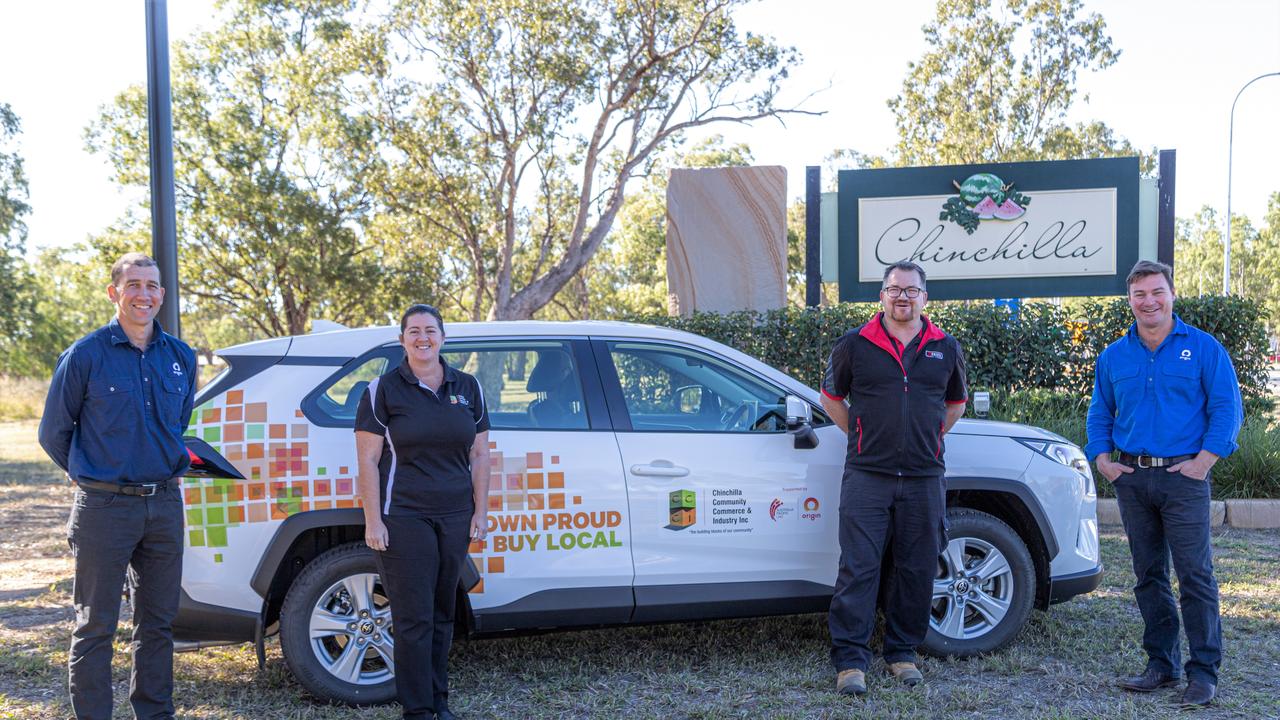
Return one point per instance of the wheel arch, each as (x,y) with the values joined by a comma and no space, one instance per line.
(1017,506)
(300,539)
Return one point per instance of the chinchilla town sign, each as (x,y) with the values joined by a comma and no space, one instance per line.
(1000,230)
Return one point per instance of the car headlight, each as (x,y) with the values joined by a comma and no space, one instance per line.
(1059,452)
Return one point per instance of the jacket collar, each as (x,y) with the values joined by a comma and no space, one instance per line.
(875,332)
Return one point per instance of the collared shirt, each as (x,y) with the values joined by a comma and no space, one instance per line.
(425,465)
(1179,399)
(116,413)
(897,396)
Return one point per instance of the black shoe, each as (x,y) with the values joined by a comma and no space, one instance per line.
(1148,681)
(445,714)
(1198,694)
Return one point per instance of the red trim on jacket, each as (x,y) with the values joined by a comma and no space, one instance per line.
(837,398)
(874,331)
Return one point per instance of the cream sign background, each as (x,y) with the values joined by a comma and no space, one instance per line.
(1063,233)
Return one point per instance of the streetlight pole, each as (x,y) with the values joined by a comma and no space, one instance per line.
(1226,240)
(164,242)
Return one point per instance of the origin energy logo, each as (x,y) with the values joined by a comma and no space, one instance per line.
(811,506)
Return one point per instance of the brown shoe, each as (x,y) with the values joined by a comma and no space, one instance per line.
(905,672)
(851,682)
(1199,693)
(1149,681)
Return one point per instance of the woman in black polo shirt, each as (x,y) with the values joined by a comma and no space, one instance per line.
(422,441)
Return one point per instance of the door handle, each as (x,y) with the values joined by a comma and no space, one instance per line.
(660,468)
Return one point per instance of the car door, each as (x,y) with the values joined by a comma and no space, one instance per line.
(727,516)
(559,545)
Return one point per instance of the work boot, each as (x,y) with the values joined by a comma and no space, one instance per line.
(905,672)
(1148,681)
(1199,693)
(851,682)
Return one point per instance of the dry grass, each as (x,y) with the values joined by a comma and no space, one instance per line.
(1063,666)
(21,398)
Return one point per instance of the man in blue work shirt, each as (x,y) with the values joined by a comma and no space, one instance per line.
(1165,395)
(118,405)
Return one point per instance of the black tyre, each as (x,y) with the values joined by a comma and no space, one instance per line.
(984,589)
(335,629)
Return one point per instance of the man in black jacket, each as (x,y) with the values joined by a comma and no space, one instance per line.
(904,382)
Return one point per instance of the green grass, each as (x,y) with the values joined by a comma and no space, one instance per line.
(1063,666)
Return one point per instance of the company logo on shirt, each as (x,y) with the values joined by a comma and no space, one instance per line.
(1185,354)
(933,354)
(177,369)
(458,400)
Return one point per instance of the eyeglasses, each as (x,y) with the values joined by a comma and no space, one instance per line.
(894,291)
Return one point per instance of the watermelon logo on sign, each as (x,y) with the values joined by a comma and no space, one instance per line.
(983,197)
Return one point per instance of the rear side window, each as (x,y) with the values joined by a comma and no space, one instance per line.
(338,398)
(528,385)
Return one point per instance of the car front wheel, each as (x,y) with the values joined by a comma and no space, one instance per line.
(335,629)
(984,588)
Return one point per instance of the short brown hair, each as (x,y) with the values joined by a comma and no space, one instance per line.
(128,260)
(905,266)
(1143,268)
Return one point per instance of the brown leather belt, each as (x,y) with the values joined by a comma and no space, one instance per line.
(137,489)
(1146,461)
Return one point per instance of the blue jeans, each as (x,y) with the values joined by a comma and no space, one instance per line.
(1168,513)
(878,511)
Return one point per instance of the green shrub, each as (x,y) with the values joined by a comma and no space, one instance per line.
(1043,346)
(1037,364)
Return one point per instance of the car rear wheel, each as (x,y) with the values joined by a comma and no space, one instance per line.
(984,589)
(335,629)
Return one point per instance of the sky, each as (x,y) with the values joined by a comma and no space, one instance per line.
(1182,63)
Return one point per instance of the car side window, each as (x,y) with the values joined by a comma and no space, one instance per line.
(339,399)
(528,385)
(672,389)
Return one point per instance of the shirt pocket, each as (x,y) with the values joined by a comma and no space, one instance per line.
(1181,378)
(108,403)
(1128,384)
(174,391)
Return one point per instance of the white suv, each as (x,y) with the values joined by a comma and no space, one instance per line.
(640,474)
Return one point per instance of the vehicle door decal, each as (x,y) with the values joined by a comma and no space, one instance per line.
(273,455)
(533,509)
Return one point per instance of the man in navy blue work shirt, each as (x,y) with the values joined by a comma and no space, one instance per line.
(1166,397)
(118,405)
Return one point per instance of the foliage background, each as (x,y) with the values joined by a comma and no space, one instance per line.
(1037,363)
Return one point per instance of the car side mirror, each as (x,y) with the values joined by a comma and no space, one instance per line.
(689,399)
(800,423)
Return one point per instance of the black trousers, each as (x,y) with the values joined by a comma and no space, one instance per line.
(420,570)
(875,510)
(113,536)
